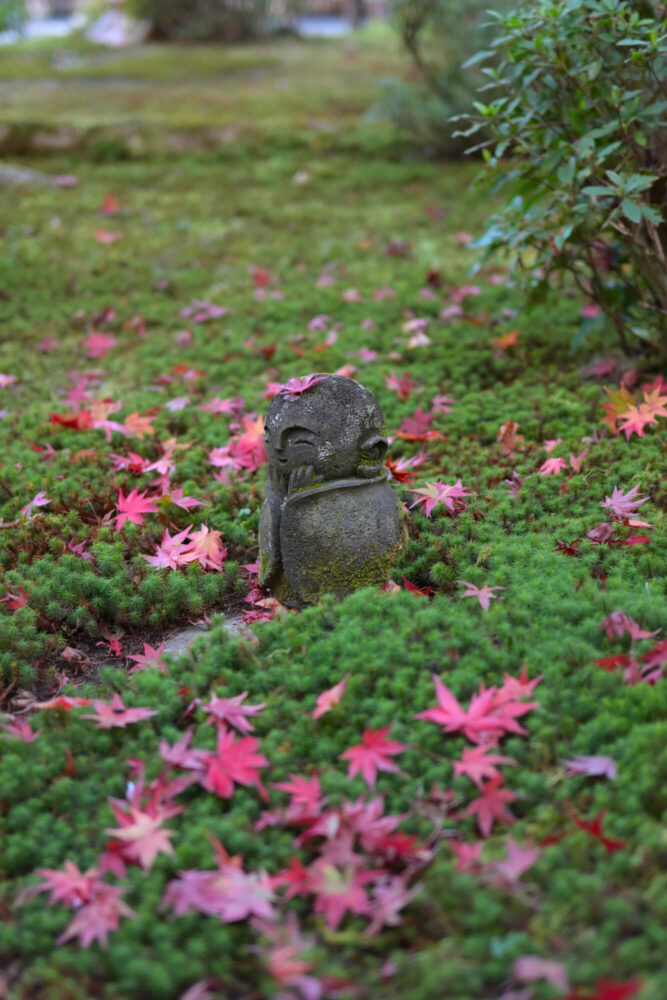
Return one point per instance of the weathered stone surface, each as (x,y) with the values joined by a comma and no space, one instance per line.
(331,521)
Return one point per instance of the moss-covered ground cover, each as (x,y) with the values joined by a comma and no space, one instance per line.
(137,308)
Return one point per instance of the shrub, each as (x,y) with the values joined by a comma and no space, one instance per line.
(439,36)
(13,15)
(204,20)
(579,103)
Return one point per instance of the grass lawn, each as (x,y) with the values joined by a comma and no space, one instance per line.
(244,226)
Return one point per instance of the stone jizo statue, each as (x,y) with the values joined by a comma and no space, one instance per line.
(331,521)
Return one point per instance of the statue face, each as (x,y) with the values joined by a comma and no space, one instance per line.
(335,428)
(299,442)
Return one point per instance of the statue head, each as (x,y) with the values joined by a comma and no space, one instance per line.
(336,426)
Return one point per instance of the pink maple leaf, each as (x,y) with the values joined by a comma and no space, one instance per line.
(432,494)
(528,968)
(172,550)
(206,548)
(372,755)
(618,623)
(594,767)
(98,344)
(622,504)
(182,755)
(491,806)
(483,594)
(175,496)
(295,386)
(143,837)
(330,698)
(114,714)
(21,730)
(105,237)
(235,761)
(232,712)
(469,855)
(149,658)
(133,507)
(506,873)
(389,895)
(39,500)
(228,893)
(553,466)
(476,763)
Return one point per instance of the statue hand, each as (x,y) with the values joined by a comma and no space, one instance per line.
(301,479)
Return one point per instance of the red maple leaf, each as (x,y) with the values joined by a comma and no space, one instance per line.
(80,421)
(490,806)
(235,761)
(594,828)
(372,755)
(403,386)
(232,712)
(65,701)
(110,716)
(133,507)
(480,717)
(605,989)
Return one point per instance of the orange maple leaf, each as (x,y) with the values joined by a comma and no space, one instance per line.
(138,426)
(507,340)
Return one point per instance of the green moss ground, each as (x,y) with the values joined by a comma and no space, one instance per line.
(194,225)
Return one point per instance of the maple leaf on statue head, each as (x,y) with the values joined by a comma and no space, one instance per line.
(295,386)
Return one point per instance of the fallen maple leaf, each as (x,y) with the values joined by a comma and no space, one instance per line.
(114,714)
(477,763)
(491,805)
(483,594)
(606,989)
(98,344)
(133,507)
(149,658)
(233,712)
(143,837)
(372,755)
(506,341)
(39,500)
(595,767)
(553,466)
(137,426)
(622,504)
(234,761)
(594,828)
(330,698)
(20,729)
(105,237)
(432,494)
(528,968)
(618,623)
(506,873)
(337,891)
(403,386)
